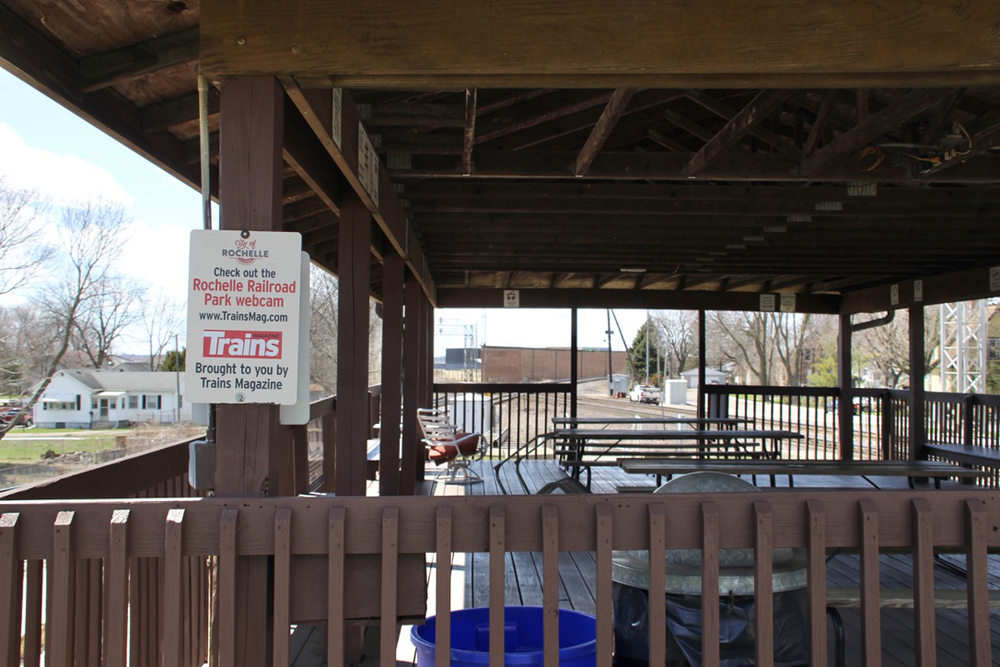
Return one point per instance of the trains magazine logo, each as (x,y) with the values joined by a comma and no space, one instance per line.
(242,344)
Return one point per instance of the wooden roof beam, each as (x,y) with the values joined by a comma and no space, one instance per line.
(723,110)
(114,67)
(541,119)
(602,130)
(759,108)
(819,125)
(316,108)
(176,110)
(876,125)
(469,135)
(687,125)
(305,154)
(665,141)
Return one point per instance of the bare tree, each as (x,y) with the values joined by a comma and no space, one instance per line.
(91,237)
(104,317)
(886,348)
(746,339)
(790,333)
(22,247)
(161,320)
(323,291)
(679,330)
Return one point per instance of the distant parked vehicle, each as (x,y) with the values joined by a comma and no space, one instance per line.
(644,393)
(10,414)
(856,406)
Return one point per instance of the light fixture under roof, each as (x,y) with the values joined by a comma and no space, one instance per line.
(632,270)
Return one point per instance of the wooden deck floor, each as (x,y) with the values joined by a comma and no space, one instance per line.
(577,573)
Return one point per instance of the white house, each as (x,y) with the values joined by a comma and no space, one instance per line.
(85,398)
(712,376)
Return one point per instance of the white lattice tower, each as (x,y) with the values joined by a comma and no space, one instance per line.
(963,346)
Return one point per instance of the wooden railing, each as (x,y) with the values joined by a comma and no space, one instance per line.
(511,415)
(338,559)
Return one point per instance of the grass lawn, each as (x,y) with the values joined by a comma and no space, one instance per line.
(14,451)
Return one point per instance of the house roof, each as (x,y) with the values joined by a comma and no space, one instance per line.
(132,382)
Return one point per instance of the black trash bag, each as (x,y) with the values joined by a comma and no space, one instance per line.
(736,628)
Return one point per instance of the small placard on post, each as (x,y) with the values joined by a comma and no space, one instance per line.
(511,298)
(788,303)
(767,303)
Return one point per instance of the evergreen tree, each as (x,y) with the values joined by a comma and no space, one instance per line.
(172,359)
(637,353)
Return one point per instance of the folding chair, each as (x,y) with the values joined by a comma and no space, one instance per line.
(446,444)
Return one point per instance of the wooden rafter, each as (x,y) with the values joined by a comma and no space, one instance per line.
(470,131)
(723,110)
(605,124)
(687,125)
(114,67)
(819,125)
(665,141)
(891,116)
(983,139)
(759,108)
(541,119)
(176,110)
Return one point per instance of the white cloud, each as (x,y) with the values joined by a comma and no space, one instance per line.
(158,256)
(63,179)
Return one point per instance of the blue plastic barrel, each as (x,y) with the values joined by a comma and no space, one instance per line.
(523,636)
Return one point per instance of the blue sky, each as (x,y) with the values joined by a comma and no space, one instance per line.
(45,147)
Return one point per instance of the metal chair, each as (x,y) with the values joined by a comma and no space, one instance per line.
(446,444)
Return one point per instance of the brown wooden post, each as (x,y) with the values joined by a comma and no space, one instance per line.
(426,366)
(918,432)
(352,346)
(845,404)
(392,373)
(247,460)
(412,450)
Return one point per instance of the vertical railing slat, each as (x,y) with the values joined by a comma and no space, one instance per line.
(282,584)
(710,584)
(33,614)
(227,587)
(763,583)
(657,585)
(442,635)
(336,541)
(11,581)
(172,635)
(550,585)
(116,577)
(816,581)
(871,632)
(605,537)
(59,638)
(390,581)
(924,640)
(977,525)
(498,525)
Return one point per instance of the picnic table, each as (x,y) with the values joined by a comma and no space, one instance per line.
(572,444)
(865,469)
(696,421)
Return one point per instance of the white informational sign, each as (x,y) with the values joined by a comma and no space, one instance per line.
(298,414)
(767,303)
(788,303)
(918,290)
(995,279)
(511,298)
(243,317)
(894,295)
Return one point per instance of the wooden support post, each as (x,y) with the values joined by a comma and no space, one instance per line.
(574,366)
(412,449)
(701,364)
(845,405)
(426,364)
(250,175)
(918,432)
(352,347)
(392,373)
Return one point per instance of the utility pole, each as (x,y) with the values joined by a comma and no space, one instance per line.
(647,346)
(611,385)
